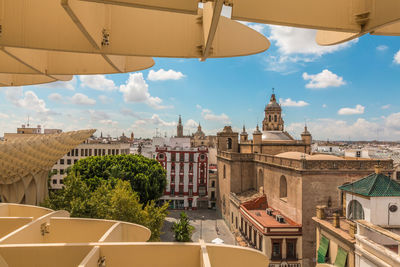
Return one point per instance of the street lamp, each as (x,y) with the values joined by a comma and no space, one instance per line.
(201,227)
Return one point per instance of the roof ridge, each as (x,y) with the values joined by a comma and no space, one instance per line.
(375,179)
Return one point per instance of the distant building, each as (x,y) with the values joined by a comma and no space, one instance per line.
(212,186)
(187,176)
(87,149)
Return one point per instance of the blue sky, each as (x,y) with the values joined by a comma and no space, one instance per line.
(345,92)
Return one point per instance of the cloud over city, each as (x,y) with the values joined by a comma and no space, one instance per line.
(324,79)
(358,109)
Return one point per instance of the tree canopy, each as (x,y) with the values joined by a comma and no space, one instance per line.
(112,199)
(146,176)
(182,229)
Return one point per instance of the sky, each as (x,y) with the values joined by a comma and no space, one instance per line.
(345,92)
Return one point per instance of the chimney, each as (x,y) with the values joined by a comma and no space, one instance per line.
(352,229)
(378,169)
(321,212)
(336,220)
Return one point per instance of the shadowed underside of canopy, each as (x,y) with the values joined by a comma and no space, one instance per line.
(25,162)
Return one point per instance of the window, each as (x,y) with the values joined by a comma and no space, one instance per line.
(113,151)
(212,183)
(260,179)
(76,152)
(117,151)
(109,152)
(73,152)
(224,172)
(75,161)
(190,168)
(190,179)
(236,222)
(323,250)
(161,156)
(229,143)
(358,154)
(86,152)
(62,161)
(181,157)
(270,118)
(191,157)
(212,195)
(69,154)
(172,190)
(190,203)
(260,241)
(61,181)
(90,152)
(276,249)
(95,152)
(232,217)
(54,181)
(255,237)
(82,152)
(181,190)
(61,171)
(104,152)
(283,187)
(275,118)
(202,157)
(68,162)
(355,211)
(190,192)
(173,168)
(241,224)
(291,249)
(181,179)
(173,157)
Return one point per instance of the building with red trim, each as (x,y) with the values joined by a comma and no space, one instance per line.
(187,176)
(268,230)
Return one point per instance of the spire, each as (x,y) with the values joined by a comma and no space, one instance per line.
(244,128)
(101,135)
(180,120)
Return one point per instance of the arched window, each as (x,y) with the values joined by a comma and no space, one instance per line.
(260,179)
(270,118)
(275,118)
(355,211)
(229,141)
(283,187)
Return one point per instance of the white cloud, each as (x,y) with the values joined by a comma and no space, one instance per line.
(393,122)
(137,90)
(69,85)
(385,106)
(191,124)
(359,109)
(198,106)
(291,103)
(382,48)
(3,116)
(109,122)
(155,120)
(81,99)
(323,79)
(324,105)
(362,129)
(105,99)
(210,116)
(28,100)
(296,46)
(396,58)
(97,82)
(290,40)
(55,97)
(163,75)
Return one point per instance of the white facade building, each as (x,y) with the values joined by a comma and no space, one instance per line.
(84,150)
(187,176)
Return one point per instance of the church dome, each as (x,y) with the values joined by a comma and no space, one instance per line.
(276,136)
(273,105)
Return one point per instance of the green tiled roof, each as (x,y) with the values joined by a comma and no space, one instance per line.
(374,185)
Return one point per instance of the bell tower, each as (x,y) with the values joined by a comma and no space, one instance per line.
(273,115)
(179,128)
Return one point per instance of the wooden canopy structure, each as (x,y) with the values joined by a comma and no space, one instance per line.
(26,160)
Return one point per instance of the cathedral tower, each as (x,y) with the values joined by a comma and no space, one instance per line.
(273,116)
(179,128)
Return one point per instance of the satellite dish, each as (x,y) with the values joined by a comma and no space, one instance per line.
(392,208)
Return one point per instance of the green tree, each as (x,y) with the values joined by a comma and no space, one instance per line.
(113,199)
(182,229)
(146,176)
